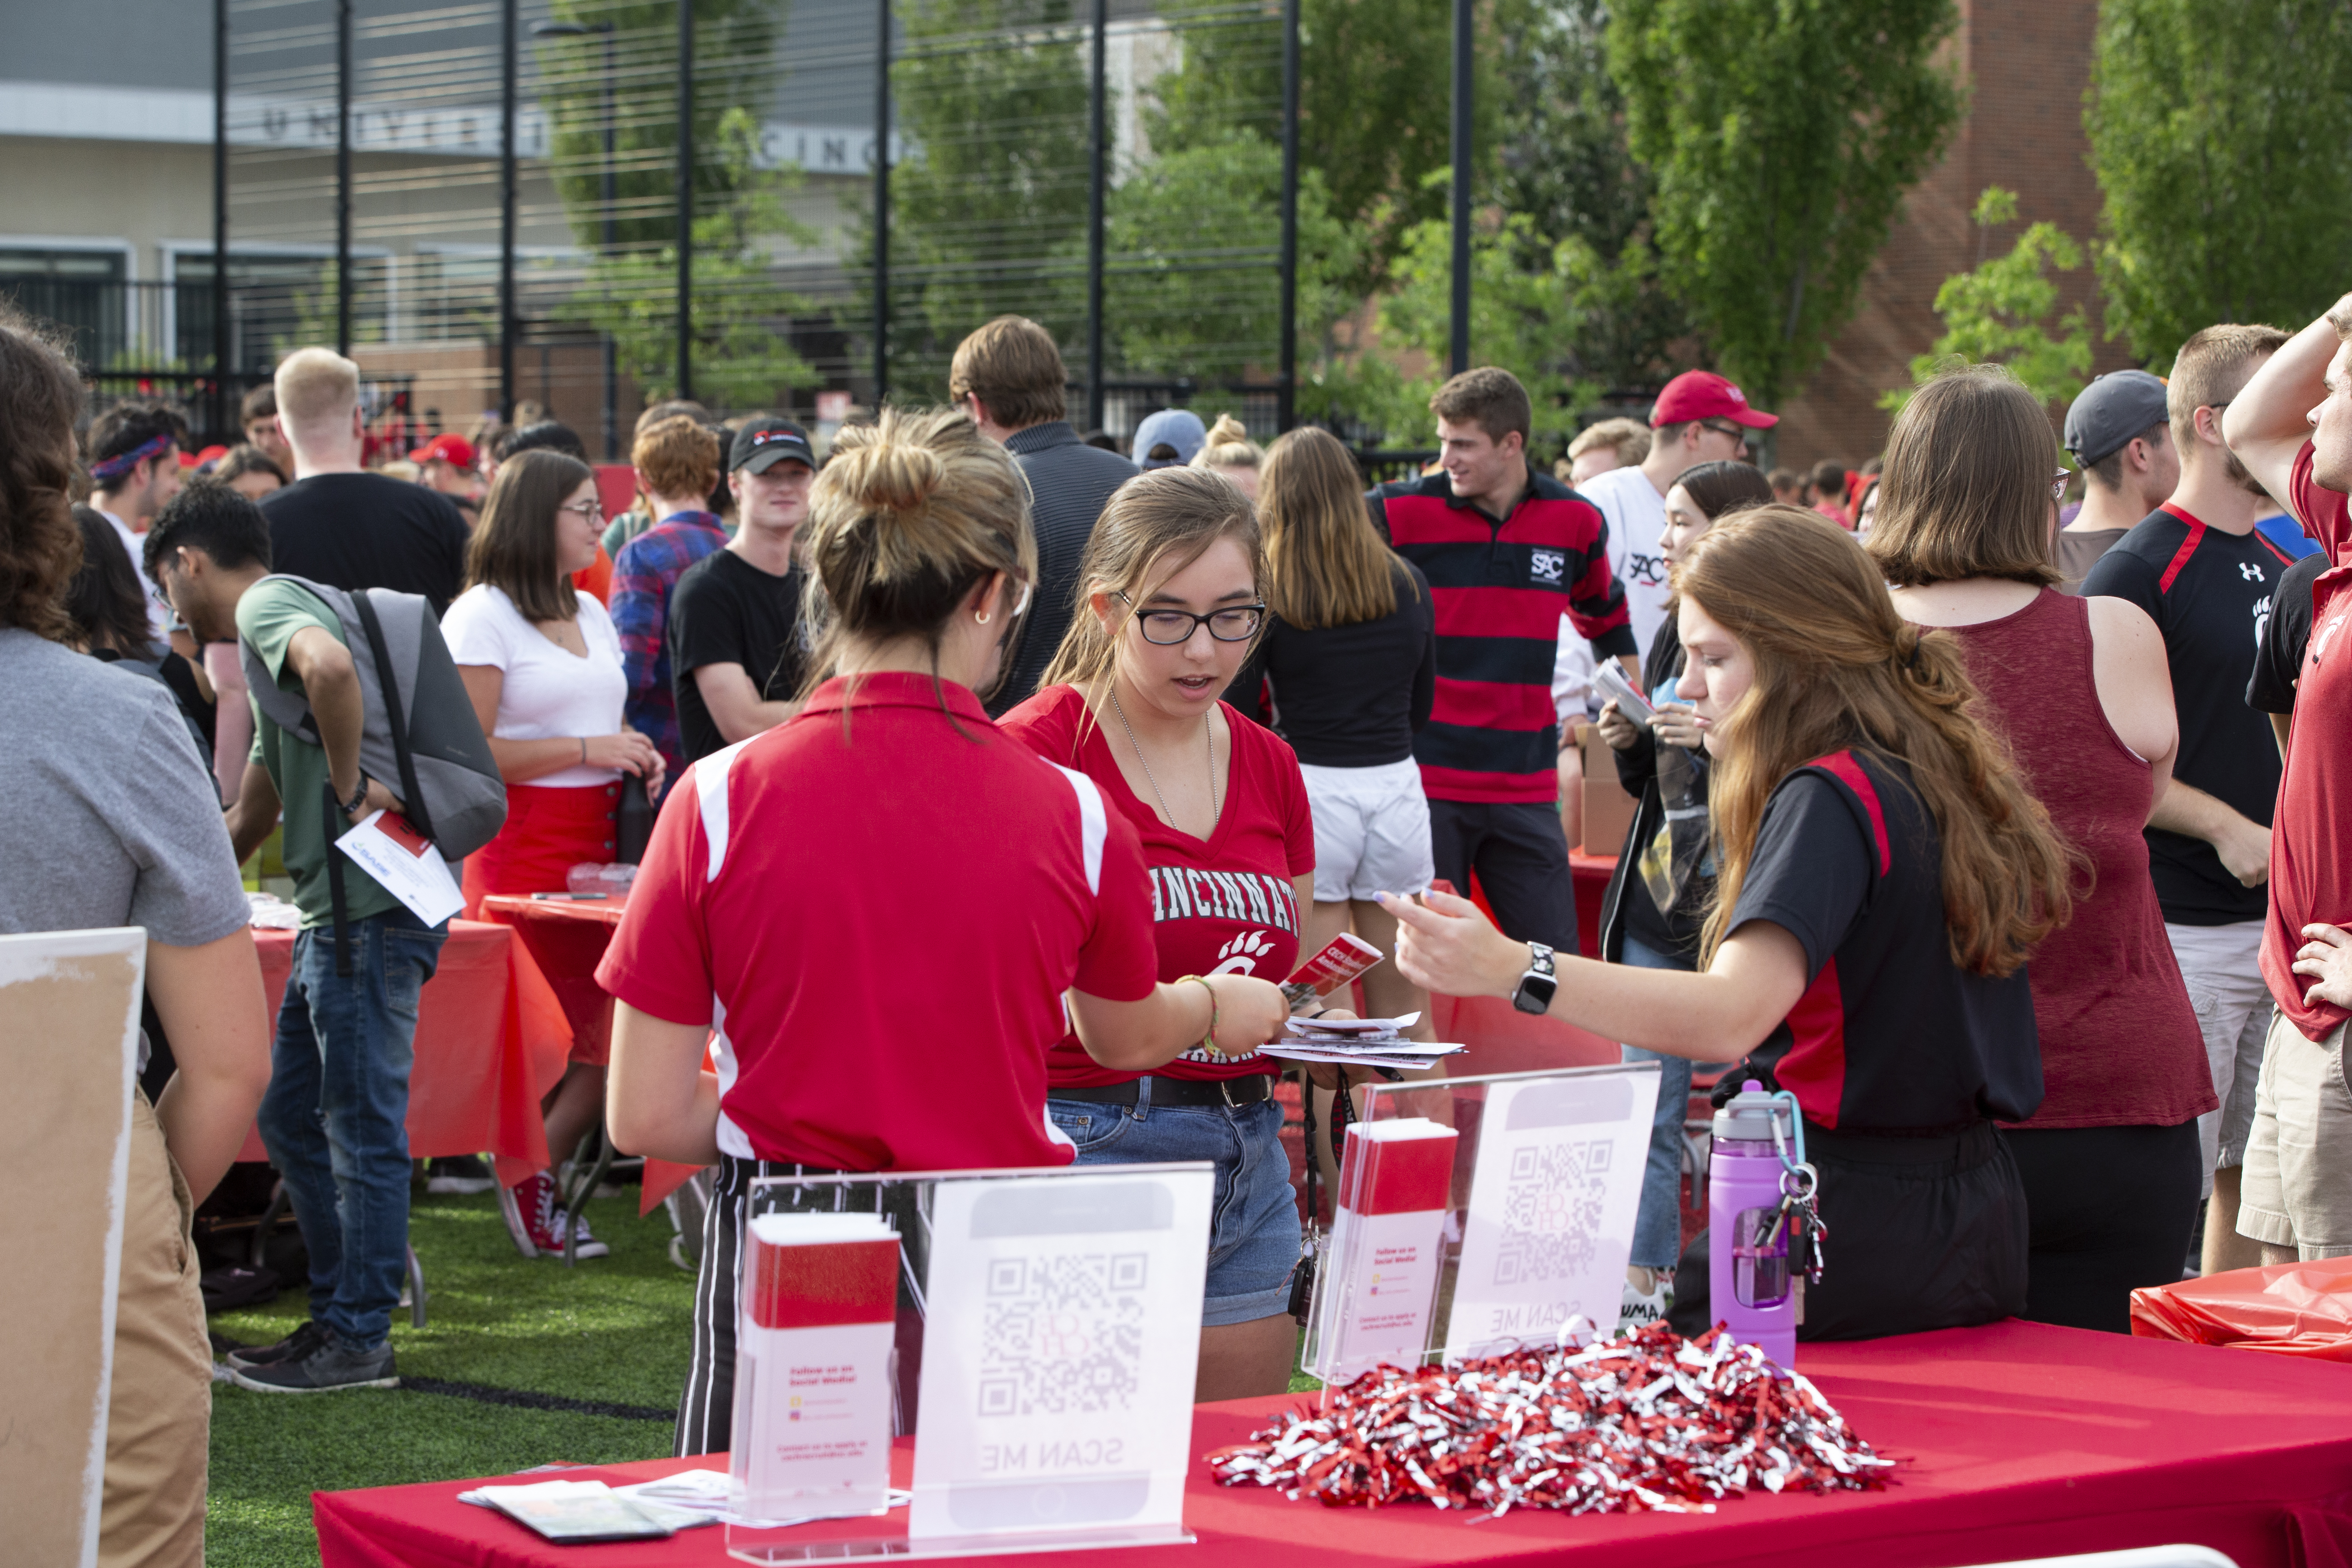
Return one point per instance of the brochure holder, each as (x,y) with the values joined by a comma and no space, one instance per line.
(1533,1231)
(964,1363)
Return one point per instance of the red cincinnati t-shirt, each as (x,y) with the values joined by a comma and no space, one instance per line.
(878,916)
(1227,906)
(2311,830)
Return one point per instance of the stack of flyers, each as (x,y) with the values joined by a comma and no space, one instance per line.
(1361,1042)
(583,1511)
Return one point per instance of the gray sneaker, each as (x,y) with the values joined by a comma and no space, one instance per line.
(295,1346)
(330,1369)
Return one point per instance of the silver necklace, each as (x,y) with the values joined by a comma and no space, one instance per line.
(1216,807)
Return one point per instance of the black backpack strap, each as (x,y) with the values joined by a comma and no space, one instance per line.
(335,899)
(412,798)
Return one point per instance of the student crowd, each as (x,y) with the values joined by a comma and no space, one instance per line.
(996,779)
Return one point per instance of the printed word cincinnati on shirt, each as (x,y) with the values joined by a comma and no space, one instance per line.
(1187,892)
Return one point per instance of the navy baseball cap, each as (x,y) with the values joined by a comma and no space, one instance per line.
(762,444)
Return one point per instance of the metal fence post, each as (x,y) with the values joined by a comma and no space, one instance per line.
(685,198)
(344,177)
(1459,356)
(882,210)
(1287,398)
(511,49)
(1097,160)
(223,417)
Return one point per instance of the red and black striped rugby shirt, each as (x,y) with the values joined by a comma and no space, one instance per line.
(1498,587)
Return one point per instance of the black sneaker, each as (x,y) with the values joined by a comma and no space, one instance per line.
(293,1347)
(330,1369)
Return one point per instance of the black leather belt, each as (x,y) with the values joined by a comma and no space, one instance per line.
(1230,1092)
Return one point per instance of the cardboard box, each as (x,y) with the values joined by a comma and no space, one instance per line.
(1608,809)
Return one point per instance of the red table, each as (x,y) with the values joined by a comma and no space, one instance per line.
(2020,1440)
(567,939)
(490,1042)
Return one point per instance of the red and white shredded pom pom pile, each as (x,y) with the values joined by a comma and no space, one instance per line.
(1649,1422)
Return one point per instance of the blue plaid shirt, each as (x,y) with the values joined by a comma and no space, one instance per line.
(647,570)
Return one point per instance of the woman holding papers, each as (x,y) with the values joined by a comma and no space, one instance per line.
(872,913)
(1882,876)
(1172,606)
(542,664)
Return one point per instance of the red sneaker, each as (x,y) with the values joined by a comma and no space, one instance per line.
(537,1223)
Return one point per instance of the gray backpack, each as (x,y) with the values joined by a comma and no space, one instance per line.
(421,736)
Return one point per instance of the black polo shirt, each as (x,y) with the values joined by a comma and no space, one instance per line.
(1890,1035)
(2209,593)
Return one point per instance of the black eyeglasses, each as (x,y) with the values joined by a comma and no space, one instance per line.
(1725,428)
(1168,628)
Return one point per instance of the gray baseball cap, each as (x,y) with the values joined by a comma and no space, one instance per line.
(2113,409)
(1177,427)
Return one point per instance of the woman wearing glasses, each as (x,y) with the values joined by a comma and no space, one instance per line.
(1171,607)
(542,664)
(2080,690)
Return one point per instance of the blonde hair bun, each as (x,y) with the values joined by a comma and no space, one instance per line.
(884,476)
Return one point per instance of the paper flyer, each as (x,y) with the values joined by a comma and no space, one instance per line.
(1063,1332)
(1387,1244)
(1553,1193)
(406,863)
(813,1367)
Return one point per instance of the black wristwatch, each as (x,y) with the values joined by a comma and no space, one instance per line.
(359,795)
(1536,986)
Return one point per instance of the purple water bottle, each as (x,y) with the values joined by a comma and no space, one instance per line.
(1748,1245)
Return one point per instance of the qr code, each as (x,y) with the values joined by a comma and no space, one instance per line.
(1551,1211)
(1062,1335)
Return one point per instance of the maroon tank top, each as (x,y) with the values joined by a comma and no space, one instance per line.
(2120,1044)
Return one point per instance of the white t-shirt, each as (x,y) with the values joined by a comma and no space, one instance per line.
(1636,515)
(159,608)
(550,693)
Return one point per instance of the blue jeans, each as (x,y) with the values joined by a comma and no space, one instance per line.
(335,1118)
(1254,1227)
(1658,1224)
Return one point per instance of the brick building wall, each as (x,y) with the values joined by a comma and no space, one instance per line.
(2028,62)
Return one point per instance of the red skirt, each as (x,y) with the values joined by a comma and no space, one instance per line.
(548,831)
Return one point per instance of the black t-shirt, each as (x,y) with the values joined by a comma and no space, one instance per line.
(725,610)
(368,531)
(2208,592)
(1890,1035)
(1354,696)
(2278,657)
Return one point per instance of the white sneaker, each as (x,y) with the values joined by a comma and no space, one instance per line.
(1637,1311)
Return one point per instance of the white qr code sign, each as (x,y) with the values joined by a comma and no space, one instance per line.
(1061,1326)
(1553,1193)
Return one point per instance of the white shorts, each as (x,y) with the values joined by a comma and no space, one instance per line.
(1371,831)
(2223,967)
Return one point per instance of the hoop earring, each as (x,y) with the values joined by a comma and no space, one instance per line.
(982,616)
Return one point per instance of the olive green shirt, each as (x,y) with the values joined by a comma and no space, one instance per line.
(269,616)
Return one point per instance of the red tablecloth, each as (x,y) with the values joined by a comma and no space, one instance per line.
(2020,1440)
(491,1040)
(567,939)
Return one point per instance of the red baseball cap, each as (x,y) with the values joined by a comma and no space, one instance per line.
(1703,394)
(446,447)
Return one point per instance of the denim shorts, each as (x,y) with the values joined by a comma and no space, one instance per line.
(1254,1227)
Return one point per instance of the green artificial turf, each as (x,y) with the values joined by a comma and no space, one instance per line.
(611,1329)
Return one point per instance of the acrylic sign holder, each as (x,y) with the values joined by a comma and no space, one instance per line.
(1535,1232)
(968,1364)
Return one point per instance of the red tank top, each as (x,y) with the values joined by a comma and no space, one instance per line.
(2120,1044)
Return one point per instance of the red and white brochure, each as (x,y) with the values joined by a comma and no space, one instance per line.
(1388,1232)
(813,1377)
(1347,956)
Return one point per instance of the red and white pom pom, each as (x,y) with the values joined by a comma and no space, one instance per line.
(1649,1422)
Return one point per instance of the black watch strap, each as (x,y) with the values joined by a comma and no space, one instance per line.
(1537,986)
(359,795)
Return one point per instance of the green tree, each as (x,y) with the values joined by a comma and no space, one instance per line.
(2216,133)
(989,209)
(1995,313)
(1782,138)
(1374,105)
(1189,289)
(1561,159)
(741,356)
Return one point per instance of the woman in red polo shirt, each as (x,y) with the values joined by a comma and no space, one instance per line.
(1172,575)
(872,911)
